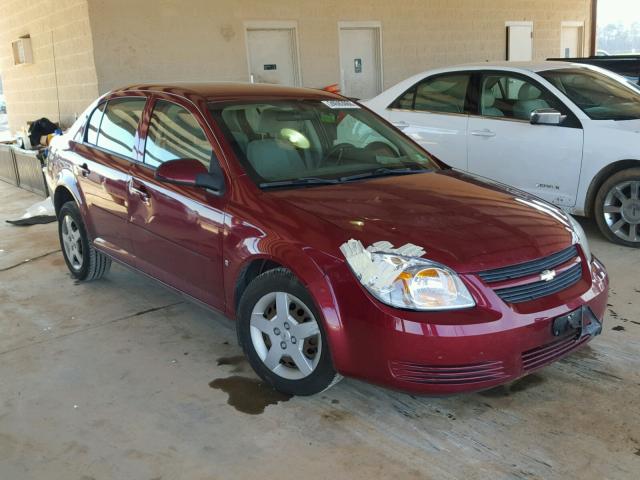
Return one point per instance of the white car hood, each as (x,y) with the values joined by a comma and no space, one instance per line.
(628,125)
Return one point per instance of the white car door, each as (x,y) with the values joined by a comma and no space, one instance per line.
(433,113)
(504,145)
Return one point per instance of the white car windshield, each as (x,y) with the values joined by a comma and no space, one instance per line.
(312,142)
(599,96)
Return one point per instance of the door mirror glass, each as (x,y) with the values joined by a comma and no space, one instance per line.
(547,116)
(190,172)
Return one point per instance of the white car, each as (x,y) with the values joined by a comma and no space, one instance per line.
(567,133)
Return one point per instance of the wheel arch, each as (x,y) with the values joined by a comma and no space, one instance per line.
(249,271)
(308,266)
(61,196)
(601,177)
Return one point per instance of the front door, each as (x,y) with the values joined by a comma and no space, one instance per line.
(503,145)
(272,56)
(360,62)
(107,152)
(434,113)
(177,230)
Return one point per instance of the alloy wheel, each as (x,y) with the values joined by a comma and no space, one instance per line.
(621,210)
(72,242)
(285,335)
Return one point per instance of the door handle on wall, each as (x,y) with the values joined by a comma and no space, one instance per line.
(483,133)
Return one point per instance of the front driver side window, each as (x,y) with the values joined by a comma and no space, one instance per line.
(508,96)
(174,133)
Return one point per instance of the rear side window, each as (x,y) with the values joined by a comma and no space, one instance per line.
(94,124)
(119,124)
(443,93)
(174,133)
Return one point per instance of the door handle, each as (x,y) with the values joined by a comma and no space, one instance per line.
(483,133)
(401,124)
(84,169)
(139,191)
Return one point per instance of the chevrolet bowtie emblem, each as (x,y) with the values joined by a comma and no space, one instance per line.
(547,275)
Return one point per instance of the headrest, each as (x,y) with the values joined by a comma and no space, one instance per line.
(529,92)
(269,123)
(488,99)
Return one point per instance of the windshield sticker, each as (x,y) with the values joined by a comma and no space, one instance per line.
(338,104)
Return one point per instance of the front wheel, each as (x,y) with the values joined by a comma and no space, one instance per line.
(84,262)
(282,335)
(617,208)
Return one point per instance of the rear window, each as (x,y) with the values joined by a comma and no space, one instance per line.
(119,125)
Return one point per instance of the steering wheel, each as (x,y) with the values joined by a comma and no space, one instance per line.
(338,149)
(381,148)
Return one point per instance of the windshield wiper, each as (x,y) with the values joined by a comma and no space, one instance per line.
(382,172)
(299,182)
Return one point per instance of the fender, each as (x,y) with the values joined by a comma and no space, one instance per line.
(60,177)
(307,265)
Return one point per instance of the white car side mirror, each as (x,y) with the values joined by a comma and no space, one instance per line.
(547,116)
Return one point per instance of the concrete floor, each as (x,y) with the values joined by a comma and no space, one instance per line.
(111,380)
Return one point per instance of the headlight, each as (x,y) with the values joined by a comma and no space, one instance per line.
(420,285)
(580,237)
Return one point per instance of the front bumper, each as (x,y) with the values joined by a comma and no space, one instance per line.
(441,353)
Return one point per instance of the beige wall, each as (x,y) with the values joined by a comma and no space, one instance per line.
(60,26)
(103,44)
(165,40)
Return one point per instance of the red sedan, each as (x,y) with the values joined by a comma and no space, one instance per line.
(338,245)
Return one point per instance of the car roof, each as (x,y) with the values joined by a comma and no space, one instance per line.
(506,65)
(227,91)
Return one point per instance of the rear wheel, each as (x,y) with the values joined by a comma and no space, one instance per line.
(84,261)
(282,335)
(617,208)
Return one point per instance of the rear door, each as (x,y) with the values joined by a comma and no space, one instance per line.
(434,113)
(177,230)
(503,144)
(105,157)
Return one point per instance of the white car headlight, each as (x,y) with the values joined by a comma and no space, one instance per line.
(420,285)
(580,237)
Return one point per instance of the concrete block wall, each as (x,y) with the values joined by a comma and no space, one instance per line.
(62,80)
(103,44)
(200,40)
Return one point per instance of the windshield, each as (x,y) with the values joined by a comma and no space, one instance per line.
(598,95)
(311,142)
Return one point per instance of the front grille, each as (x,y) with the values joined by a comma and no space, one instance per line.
(525,292)
(448,375)
(529,268)
(541,356)
(531,291)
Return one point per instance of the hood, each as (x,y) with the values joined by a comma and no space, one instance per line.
(461,221)
(627,125)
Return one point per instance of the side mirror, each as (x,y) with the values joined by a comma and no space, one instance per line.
(547,116)
(192,173)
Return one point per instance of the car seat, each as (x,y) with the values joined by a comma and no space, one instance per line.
(272,157)
(487,105)
(528,101)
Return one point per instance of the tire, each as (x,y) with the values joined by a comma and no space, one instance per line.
(617,208)
(293,365)
(83,261)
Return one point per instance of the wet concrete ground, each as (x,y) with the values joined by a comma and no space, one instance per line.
(121,379)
